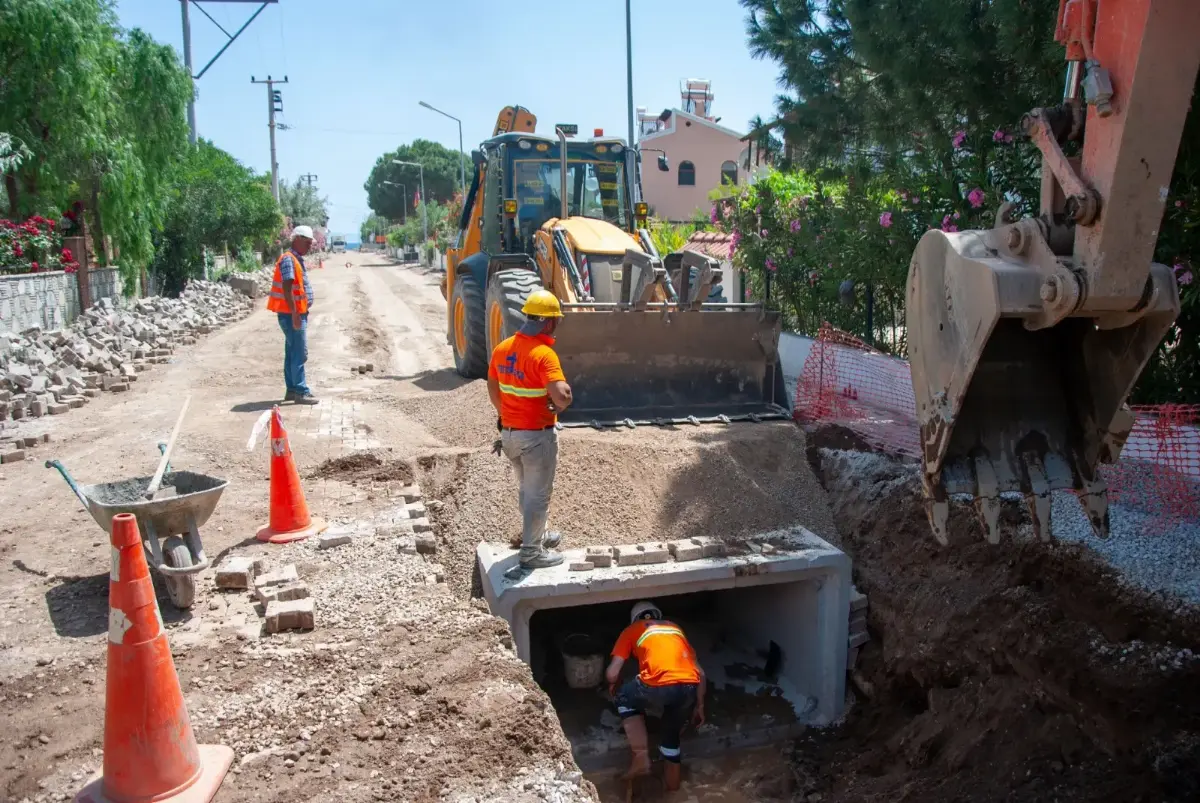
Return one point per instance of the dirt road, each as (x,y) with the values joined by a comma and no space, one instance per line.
(403,692)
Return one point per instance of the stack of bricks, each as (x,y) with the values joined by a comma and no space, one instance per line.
(411,522)
(285,598)
(858,627)
(649,553)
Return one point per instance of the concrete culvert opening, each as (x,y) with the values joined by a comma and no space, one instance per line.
(769,628)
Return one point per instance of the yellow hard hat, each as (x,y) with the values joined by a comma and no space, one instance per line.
(542,304)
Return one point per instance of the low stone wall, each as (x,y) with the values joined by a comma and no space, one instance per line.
(51,300)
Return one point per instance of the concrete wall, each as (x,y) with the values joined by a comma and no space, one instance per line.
(706,147)
(50,300)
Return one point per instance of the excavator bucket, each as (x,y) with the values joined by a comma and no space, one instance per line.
(1005,404)
(663,364)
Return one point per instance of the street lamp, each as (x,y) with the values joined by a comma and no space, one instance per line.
(629,68)
(403,194)
(462,156)
(424,200)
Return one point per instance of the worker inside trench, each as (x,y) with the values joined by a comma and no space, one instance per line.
(749,642)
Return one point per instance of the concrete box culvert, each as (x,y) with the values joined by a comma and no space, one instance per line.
(795,593)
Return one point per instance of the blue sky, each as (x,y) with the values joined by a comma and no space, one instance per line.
(357,69)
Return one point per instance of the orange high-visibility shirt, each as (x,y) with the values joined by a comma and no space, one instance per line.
(276,301)
(663,653)
(525,365)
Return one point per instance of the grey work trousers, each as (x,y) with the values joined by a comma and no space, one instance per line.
(534,456)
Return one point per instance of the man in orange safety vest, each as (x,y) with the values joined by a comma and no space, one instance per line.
(290,298)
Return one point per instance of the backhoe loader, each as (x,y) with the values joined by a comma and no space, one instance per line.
(644,339)
(1025,340)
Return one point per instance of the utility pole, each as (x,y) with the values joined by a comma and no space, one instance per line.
(274,104)
(309,179)
(424,199)
(187,49)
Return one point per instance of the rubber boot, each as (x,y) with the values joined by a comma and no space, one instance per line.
(672,774)
(639,744)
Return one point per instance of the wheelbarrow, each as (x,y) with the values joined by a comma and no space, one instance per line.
(176,520)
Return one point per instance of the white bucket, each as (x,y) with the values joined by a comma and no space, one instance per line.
(583,671)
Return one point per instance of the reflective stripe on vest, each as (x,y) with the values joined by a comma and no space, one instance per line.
(659,630)
(276,302)
(524,393)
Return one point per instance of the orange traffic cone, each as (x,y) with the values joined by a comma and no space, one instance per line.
(150,752)
(290,520)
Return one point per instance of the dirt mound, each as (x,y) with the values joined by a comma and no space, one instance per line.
(363,467)
(1024,671)
(621,487)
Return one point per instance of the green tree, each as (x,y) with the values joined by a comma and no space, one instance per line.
(303,204)
(373,225)
(441,178)
(212,200)
(101,111)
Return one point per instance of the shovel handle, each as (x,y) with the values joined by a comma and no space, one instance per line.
(166,453)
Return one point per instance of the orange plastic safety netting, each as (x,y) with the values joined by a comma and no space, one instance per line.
(846,382)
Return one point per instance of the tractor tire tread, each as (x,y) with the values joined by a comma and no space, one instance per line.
(473,364)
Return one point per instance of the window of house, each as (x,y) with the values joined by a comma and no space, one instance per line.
(729,173)
(687,174)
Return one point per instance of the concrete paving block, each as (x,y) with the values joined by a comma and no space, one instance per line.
(14,456)
(599,556)
(858,622)
(422,526)
(858,601)
(685,549)
(282,593)
(408,546)
(75,402)
(710,547)
(37,409)
(858,639)
(297,614)
(416,510)
(45,437)
(119,387)
(641,554)
(285,574)
(769,549)
(91,393)
(426,544)
(438,571)
(410,493)
(581,566)
(332,538)
(239,571)
(31,441)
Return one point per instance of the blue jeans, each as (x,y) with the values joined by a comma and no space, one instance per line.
(677,701)
(295,353)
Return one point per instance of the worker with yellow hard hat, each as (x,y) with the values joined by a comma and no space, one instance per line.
(528,389)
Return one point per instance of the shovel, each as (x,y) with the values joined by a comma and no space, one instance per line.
(153,492)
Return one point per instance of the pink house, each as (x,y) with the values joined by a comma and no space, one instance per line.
(701,154)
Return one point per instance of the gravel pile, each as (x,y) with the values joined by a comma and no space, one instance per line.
(628,486)
(401,693)
(1156,556)
(49,373)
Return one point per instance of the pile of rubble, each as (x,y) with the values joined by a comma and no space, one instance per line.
(49,373)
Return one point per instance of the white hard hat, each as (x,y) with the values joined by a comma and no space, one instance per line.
(302,231)
(642,608)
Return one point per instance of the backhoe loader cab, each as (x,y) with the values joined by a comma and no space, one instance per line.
(638,342)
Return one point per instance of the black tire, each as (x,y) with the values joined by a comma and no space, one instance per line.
(471,357)
(508,289)
(181,588)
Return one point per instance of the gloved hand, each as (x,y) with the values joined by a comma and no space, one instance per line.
(499,425)
(497,447)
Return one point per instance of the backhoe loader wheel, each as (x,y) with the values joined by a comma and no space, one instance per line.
(467,330)
(507,291)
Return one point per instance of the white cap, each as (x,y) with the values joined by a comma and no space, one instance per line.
(302,231)
(642,608)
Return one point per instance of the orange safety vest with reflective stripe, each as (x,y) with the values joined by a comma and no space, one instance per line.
(276,301)
(524,366)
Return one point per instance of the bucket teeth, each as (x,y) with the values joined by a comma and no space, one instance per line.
(1095,503)
(1037,497)
(987,501)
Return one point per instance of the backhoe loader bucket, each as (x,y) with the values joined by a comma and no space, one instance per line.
(1007,400)
(664,365)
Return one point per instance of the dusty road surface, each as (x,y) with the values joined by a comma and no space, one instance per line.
(403,692)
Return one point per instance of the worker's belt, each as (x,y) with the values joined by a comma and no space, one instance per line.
(524,429)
